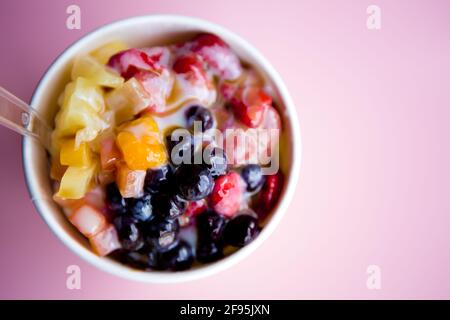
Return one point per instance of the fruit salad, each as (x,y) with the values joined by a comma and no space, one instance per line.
(157,152)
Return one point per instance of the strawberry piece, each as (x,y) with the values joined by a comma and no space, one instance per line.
(251,116)
(272,119)
(226,196)
(191,82)
(244,146)
(161,56)
(195,207)
(269,133)
(208,40)
(105,241)
(158,86)
(249,78)
(228,89)
(186,63)
(131,61)
(150,71)
(191,66)
(222,61)
(269,194)
(250,105)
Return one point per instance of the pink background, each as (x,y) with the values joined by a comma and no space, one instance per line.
(374,186)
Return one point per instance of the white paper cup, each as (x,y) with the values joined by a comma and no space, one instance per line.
(147,31)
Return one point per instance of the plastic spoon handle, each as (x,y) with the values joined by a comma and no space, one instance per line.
(17,115)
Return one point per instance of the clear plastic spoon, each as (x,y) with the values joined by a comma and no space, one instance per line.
(17,115)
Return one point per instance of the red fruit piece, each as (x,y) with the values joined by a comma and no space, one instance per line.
(269,194)
(272,119)
(195,207)
(158,86)
(186,63)
(226,196)
(244,145)
(250,105)
(207,40)
(160,55)
(191,67)
(131,61)
(251,116)
(215,52)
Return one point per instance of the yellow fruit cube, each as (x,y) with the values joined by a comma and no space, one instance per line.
(71,155)
(70,120)
(83,91)
(76,182)
(88,67)
(103,53)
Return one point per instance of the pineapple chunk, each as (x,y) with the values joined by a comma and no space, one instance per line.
(88,67)
(71,155)
(128,100)
(80,113)
(103,53)
(76,182)
(70,120)
(83,91)
(130,182)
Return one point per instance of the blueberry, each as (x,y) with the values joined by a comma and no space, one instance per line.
(135,259)
(180,148)
(210,226)
(140,208)
(241,230)
(157,179)
(129,234)
(253,177)
(180,257)
(154,260)
(161,233)
(216,161)
(199,114)
(209,251)
(194,182)
(114,200)
(167,207)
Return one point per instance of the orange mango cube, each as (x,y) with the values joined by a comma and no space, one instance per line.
(140,142)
